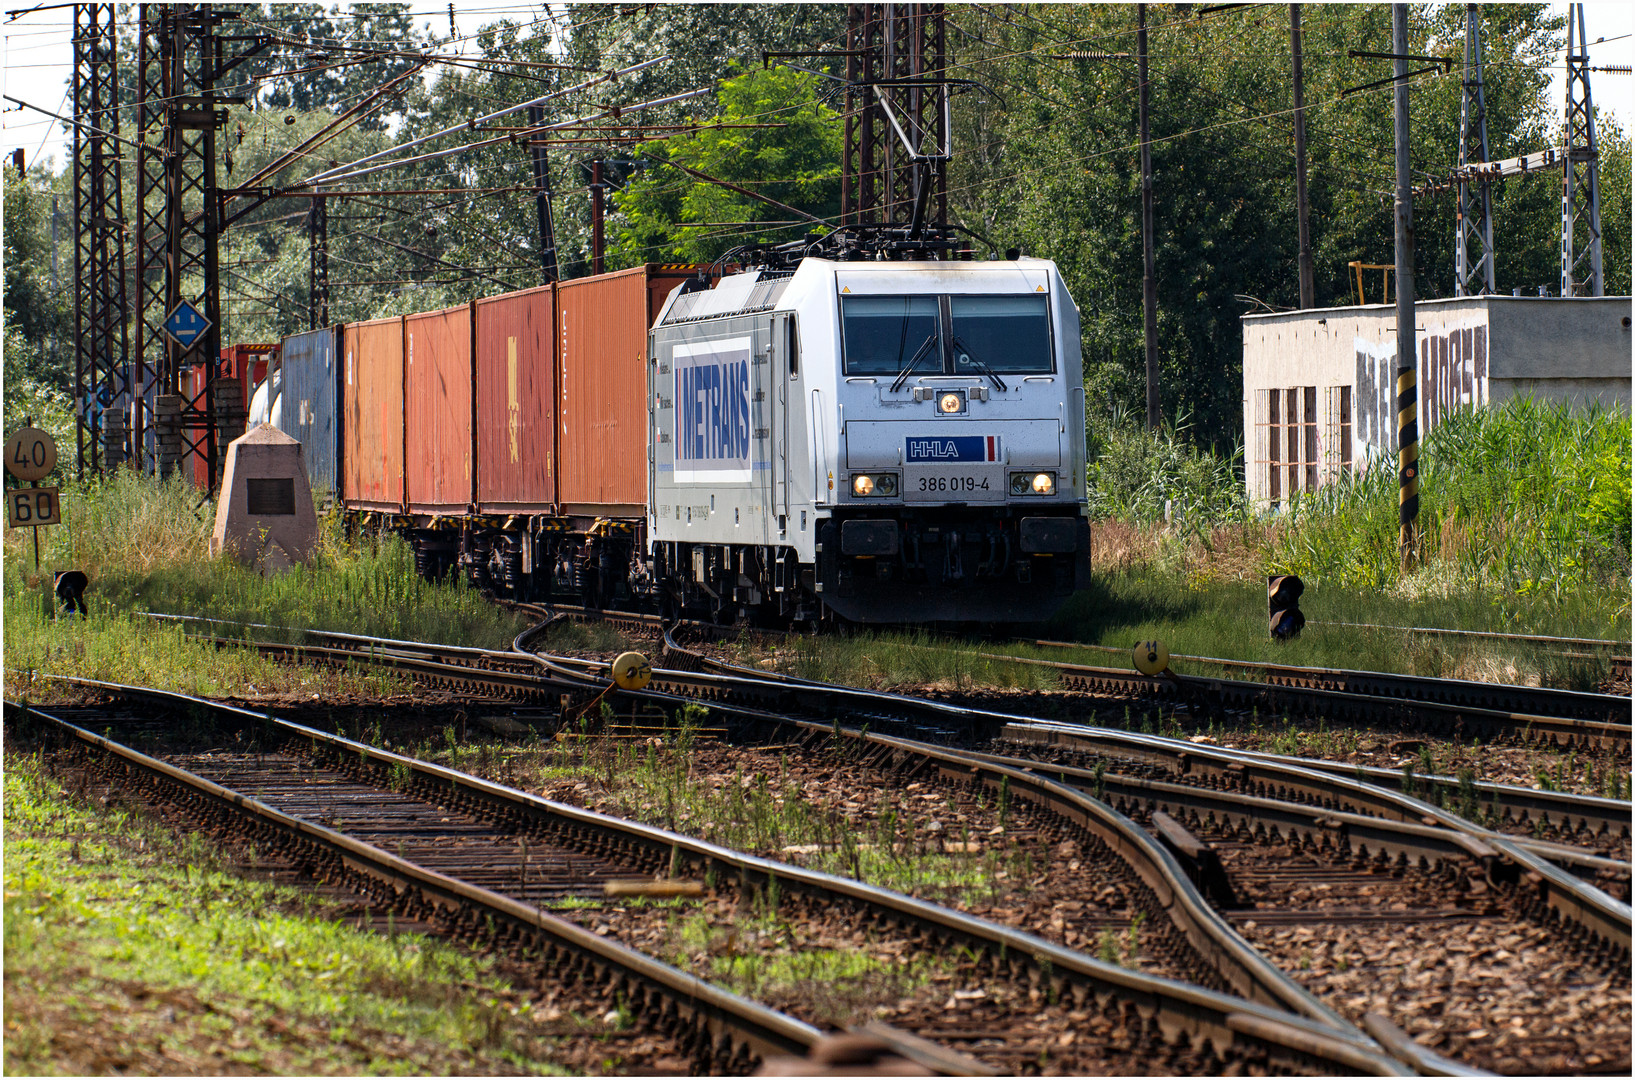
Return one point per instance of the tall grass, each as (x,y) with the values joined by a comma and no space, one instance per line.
(1521,501)
(144,543)
(1527,498)
(1143,476)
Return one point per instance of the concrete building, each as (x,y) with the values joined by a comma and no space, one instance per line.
(1319,386)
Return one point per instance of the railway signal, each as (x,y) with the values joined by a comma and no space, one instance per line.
(1283,600)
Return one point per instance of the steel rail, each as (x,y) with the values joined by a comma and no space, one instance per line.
(1560,895)
(723,1024)
(1296,779)
(1179,1009)
(1589,813)
(1212,693)
(1541,700)
(1595,814)
(1438,695)
(1562,811)
(1430,842)
(967,766)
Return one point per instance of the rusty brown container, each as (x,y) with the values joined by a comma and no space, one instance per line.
(601,352)
(437,410)
(373,426)
(516,402)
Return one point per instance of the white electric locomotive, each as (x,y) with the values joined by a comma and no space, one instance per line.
(891,441)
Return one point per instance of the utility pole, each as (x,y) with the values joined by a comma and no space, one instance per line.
(542,200)
(1407,390)
(596,216)
(1149,281)
(55,214)
(1308,291)
(1581,187)
(1475,225)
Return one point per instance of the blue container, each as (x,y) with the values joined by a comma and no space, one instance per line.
(311,406)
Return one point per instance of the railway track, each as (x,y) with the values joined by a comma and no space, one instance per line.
(1505,697)
(1419,882)
(1451,708)
(444,818)
(1582,905)
(1574,831)
(1594,925)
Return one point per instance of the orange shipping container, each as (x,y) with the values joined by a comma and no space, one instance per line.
(437,412)
(516,401)
(373,426)
(602,325)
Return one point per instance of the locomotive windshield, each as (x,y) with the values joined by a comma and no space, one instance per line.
(885,333)
(1007,334)
(945,335)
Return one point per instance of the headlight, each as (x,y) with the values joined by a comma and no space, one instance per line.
(1043,483)
(951,403)
(865,485)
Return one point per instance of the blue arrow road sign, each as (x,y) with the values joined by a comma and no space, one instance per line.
(185,325)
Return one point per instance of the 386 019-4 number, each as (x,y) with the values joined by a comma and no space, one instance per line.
(953,483)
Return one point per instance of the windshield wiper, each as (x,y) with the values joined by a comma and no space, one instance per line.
(925,346)
(982,369)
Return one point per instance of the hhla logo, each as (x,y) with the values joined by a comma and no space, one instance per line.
(953,448)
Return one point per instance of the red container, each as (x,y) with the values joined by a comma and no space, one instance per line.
(516,401)
(602,325)
(372,476)
(437,410)
(247,364)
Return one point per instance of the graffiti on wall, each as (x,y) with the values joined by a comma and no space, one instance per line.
(1452,373)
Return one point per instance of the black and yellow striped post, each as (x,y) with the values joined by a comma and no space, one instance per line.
(1407,389)
(1407,463)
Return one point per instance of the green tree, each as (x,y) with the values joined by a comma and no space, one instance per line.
(1054,169)
(796,163)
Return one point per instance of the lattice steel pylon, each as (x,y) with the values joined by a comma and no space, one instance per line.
(897,116)
(101,331)
(177,226)
(1474,277)
(1581,186)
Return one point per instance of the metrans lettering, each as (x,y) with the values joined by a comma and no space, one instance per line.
(952,448)
(713,420)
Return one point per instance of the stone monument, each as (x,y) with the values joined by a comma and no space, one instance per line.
(265,515)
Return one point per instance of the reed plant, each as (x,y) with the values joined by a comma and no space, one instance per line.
(1525,498)
(1524,508)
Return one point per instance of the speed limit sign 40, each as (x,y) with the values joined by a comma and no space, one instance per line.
(31,454)
(32,506)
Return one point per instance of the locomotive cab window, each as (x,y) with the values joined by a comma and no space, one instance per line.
(1007,334)
(905,336)
(886,334)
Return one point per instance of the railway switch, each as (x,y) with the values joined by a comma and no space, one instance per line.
(1283,601)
